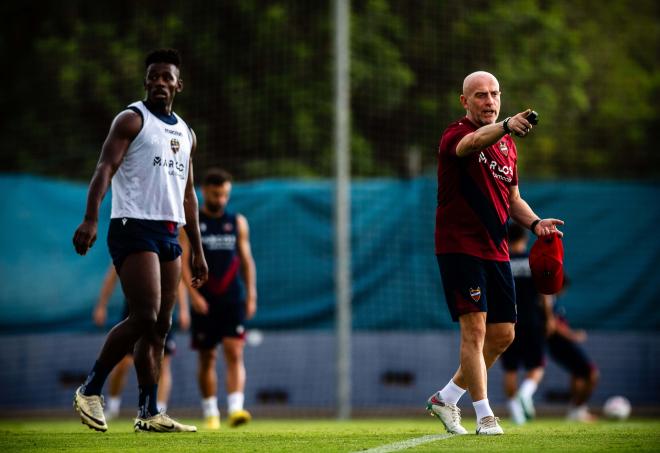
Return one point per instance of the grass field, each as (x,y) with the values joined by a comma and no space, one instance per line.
(641,435)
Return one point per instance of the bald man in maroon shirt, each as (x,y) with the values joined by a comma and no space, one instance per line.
(477,194)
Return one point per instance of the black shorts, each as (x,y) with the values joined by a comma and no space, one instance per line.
(570,355)
(225,319)
(127,236)
(473,284)
(527,349)
(170,344)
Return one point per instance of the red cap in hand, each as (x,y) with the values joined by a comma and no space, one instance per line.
(546,259)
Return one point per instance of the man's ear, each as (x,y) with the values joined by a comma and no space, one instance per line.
(463,101)
(179,85)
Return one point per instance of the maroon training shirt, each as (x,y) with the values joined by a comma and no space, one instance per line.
(473,195)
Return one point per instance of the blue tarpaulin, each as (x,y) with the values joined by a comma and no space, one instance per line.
(612,253)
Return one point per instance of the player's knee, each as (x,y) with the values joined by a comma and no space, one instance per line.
(505,339)
(207,359)
(501,343)
(144,319)
(473,338)
(162,327)
(234,355)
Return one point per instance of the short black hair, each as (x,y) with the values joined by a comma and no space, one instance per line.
(516,232)
(216,177)
(170,56)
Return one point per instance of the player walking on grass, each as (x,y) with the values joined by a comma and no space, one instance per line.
(528,345)
(221,306)
(147,155)
(477,194)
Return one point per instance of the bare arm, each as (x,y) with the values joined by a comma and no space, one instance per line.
(100,313)
(248,267)
(490,134)
(184,312)
(197,301)
(524,215)
(199,268)
(123,130)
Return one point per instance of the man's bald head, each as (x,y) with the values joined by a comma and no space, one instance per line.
(481,97)
(477,78)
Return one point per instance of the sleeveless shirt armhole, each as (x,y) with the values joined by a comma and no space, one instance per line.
(139,112)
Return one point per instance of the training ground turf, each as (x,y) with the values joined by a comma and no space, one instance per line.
(640,435)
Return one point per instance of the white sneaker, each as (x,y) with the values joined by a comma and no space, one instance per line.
(488,426)
(161,423)
(448,414)
(516,411)
(90,409)
(527,405)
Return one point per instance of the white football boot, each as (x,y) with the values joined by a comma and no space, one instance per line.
(448,414)
(489,426)
(161,423)
(90,409)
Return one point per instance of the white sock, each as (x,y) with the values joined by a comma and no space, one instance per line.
(235,402)
(210,407)
(483,409)
(527,388)
(516,411)
(451,393)
(162,406)
(114,403)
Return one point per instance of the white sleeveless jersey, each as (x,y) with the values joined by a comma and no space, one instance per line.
(151,180)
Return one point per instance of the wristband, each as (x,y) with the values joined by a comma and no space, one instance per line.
(505,125)
(533,225)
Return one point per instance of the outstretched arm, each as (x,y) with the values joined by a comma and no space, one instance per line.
(490,134)
(524,216)
(123,130)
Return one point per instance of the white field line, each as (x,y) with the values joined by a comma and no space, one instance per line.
(409,443)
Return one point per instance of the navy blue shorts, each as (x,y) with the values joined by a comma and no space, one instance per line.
(527,349)
(127,236)
(170,344)
(225,319)
(473,284)
(571,356)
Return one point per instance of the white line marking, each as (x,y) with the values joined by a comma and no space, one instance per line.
(409,443)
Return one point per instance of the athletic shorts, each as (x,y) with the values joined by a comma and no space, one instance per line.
(127,236)
(527,349)
(225,319)
(570,355)
(170,344)
(473,284)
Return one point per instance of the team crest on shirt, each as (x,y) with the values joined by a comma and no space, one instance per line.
(475,294)
(174,144)
(504,148)
(227,227)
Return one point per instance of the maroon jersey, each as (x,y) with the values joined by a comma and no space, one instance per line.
(473,195)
